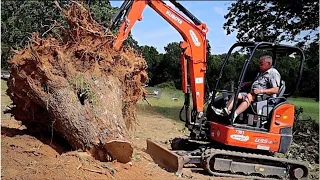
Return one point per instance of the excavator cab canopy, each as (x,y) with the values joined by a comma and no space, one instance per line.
(279,52)
(283,57)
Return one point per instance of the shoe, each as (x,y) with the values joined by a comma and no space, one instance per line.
(217,111)
(225,111)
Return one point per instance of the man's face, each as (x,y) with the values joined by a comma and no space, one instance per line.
(264,65)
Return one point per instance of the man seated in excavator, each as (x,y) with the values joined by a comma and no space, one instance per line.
(226,142)
(266,83)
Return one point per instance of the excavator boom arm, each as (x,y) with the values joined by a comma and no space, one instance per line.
(194,42)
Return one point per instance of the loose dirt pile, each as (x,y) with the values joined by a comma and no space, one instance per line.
(305,145)
(79,88)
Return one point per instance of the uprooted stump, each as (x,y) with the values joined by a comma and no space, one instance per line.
(79,88)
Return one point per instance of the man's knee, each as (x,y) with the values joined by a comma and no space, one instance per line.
(249,98)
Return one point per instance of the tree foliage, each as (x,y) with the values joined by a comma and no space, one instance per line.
(19,19)
(281,21)
(153,58)
(273,20)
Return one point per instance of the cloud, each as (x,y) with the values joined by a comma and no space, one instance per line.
(219,10)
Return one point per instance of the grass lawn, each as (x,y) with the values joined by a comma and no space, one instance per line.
(5,100)
(169,107)
(310,107)
(168,103)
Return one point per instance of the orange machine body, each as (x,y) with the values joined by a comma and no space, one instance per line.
(282,118)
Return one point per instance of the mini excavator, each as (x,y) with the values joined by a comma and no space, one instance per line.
(226,147)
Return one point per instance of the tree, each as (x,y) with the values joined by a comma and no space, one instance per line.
(19,19)
(169,68)
(91,105)
(309,86)
(153,59)
(274,20)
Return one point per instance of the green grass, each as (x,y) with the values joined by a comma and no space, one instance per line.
(169,108)
(5,100)
(164,103)
(309,105)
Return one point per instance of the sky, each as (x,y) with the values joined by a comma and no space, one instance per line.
(153,30)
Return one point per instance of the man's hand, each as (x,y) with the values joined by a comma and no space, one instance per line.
(257,91)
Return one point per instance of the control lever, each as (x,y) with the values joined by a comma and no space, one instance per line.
(225,97)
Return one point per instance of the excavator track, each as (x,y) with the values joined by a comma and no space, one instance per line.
(253,166)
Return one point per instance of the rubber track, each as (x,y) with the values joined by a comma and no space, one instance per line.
(209,153)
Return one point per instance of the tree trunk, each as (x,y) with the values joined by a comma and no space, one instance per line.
(80,88)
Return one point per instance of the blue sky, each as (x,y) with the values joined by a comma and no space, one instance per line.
(153,30)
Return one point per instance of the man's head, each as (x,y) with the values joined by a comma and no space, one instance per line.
(265,63)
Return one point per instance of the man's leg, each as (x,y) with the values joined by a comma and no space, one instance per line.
(230,103)
(244,105)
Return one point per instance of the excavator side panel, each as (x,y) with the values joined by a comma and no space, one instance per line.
(245,138)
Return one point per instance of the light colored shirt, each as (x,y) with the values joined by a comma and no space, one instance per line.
(268,79)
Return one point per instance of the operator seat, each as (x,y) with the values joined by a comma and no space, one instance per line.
(280,94)
(265,104)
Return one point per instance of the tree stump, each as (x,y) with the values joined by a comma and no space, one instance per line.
(79,88)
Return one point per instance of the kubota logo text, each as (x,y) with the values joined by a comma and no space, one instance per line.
(174,17)
(239,137)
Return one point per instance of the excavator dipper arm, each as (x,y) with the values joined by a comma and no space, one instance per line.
(194,43)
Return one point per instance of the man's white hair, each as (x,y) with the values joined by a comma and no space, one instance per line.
(266,58)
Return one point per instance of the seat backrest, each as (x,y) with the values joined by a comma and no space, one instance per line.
(282,89)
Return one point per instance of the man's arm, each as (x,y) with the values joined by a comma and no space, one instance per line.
(275,85)
(270,91)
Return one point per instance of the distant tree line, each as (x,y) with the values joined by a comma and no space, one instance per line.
(21,18)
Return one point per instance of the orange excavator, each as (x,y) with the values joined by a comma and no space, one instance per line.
(218,144)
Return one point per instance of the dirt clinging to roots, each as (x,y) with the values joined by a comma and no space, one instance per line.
(80,87)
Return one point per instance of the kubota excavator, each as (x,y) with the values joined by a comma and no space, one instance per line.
(227,148)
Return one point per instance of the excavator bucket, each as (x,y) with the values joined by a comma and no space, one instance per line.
(165,158)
